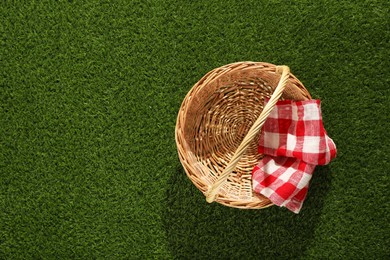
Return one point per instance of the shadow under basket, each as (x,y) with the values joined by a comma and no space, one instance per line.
(218,128)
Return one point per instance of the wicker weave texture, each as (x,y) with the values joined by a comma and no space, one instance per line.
(214,119)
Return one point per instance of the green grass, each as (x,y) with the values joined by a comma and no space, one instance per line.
(89,93)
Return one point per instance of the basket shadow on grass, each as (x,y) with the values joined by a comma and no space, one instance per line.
(197,229)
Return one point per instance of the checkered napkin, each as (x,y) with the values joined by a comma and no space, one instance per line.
(293,141)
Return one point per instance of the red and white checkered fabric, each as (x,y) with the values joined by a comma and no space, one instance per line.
(295,129)
(284,180)
(294,142)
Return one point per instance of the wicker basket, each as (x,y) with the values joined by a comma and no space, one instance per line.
(218,128)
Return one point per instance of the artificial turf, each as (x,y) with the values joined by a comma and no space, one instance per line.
(89,93)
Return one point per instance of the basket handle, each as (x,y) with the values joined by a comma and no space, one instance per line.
(214,189)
